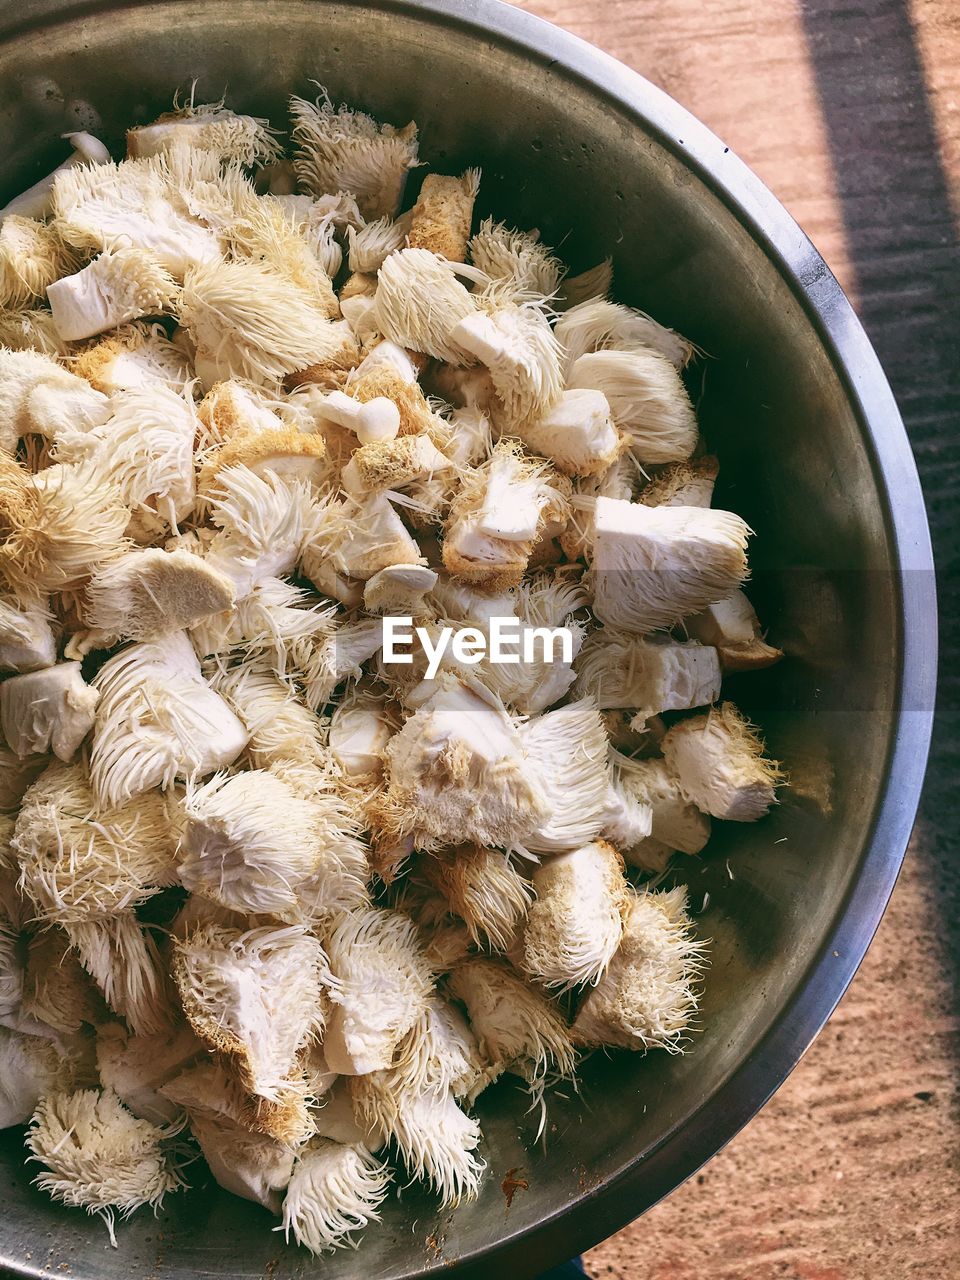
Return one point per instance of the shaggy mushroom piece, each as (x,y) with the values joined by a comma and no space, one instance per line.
(456,773)
(245,140)
(440,220)
(137,356)
(38,396)
(482,887)
(574,782)
(420,301)
(522,266)
(278,842)
(518,347)
(733,627)
(438,1140)
(249,321)
(647,399)
(120,285)
(49,710)
(516,1026)
(675,822)
(256,998)
(136,1067)
(599,325)
(627,821)
(574,926)
(651,676)
(32,330)
(32,256)
(398,589)
(496,518)
(282,730)
(98,1157)
(364,538)
(137,202)
(577,434)
(392,464)
(334,1191)
(342,150)
(248,1164)
(56,527)
(264,522)
(682,484)
(146,451)
(648,997)
(288,452)
(125,963)
(158,720)
(27,640)
(145,595)
(719,761)
(382,983)
(30,1068)
(653,566)
(359,733)
(368,246)
(36,201)
(232,410)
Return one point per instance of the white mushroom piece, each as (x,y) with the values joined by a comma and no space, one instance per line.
(335,1190)
(600,325)
(31,1067)
(48,710)
(674,822)
(382,982)
(519,349)
(136,1067)
(278,842)
(456,772)
(720,764)
(32,256)
(575,924)
(120,285)
(137,355)
(653,566)
(210,126)
(342,150)
(647,675)
(27,640)
(38,395)
(517,261)
(158,720)
(649,995)
(501,509)
(518,1029)
(244,1162)
(647,400)
(258,999)
(137,202)
(732,626)
(35,202)
(484,888)
(97,1156)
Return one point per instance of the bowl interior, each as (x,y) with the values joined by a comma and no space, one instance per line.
(555,155)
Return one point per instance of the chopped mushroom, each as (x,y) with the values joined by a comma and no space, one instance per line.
(649,675)
(49,710)
(440,220)
(720,763)
(334,1191)
(120,285)
(653,566)
(733,627)
(574,927)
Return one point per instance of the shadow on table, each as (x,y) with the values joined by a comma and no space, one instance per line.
(903,249)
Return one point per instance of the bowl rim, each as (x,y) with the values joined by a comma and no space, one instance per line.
(645,1179)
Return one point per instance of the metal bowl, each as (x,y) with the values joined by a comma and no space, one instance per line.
(813,454)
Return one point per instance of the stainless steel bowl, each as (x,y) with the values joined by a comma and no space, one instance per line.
(813,454)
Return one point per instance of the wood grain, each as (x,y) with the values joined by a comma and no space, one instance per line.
(850,112)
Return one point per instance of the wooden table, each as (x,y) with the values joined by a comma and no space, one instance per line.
(850,111)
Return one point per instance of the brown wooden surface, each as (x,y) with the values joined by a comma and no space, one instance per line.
(850,112)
